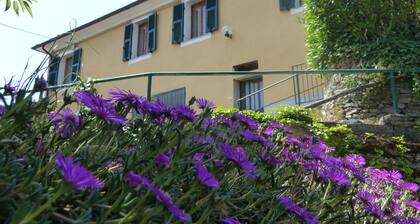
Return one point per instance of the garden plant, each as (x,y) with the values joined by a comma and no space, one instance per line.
(99,164)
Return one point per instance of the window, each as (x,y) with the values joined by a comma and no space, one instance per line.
(140,47)
(68,70)
(194,20)
(297,3)
(65,68)
(198,19)
(140,38)
(173,97)
(247,87)
(291,5)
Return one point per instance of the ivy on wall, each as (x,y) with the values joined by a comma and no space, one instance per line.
(360,33)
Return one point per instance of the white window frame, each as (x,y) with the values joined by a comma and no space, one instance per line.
(187,25)
(62,65)
(295,10)
(134,57)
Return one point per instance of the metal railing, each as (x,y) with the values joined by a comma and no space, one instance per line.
(295,76)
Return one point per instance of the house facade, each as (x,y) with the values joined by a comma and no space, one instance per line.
(186,35)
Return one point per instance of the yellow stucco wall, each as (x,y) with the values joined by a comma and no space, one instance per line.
(260,32)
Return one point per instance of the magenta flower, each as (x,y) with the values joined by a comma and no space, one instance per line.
(228,220)
(204,103)
(163,160)
(413,187)
(355,160)
(135,180)
(101,107)
(303,213)
(238,155)
(66,123)
(75,174)
(414,204)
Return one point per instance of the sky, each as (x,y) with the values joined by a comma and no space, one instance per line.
(50,18)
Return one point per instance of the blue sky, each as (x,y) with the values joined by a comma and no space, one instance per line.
(51,17)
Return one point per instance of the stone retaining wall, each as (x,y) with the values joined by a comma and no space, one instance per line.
(373,106)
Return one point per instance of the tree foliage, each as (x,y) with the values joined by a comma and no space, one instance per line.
(19,6)
(359,33)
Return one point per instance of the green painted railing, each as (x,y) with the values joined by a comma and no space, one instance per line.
(149,75)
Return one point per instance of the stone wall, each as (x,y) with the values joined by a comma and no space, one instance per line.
(371,110)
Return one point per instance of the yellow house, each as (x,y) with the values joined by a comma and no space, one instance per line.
(187,35)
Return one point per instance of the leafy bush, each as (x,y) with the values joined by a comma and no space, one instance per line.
(375,33)
(170,164)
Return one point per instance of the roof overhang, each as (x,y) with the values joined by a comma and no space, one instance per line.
(100,25)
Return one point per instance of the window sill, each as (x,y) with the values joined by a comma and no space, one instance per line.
(294,11)
(140,58)
(196,40)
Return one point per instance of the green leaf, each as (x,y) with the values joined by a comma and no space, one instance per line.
(8,4)
(21,2)
(16,7)
(28,8)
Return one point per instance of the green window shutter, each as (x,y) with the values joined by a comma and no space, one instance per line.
(128,39)
(77,62)
(53,71)
(286,4)
(212,13)
(152,32)
(178,24)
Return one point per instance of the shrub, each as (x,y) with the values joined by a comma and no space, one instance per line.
(171,164)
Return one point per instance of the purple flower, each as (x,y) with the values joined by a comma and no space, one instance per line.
(205,177)
(303,213)
(204,103)
(65,122)
(40,84)
(163,160)
(228,220)
(10,87)
(336,176)
(203,141)
(268,131)
(355,160)
(228,122)
(101,107)
(403,220)
(295,142)
(413,187)
(2,110)
(247,134)
(414,204)
(365,196)
(270,159)
(183,112)
(207,122)
(78,176)
(135,180)
(374,209)
(238,155)
(249,122)
(128,99)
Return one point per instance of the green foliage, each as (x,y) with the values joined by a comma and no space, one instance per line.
(19,5)
(374,33)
